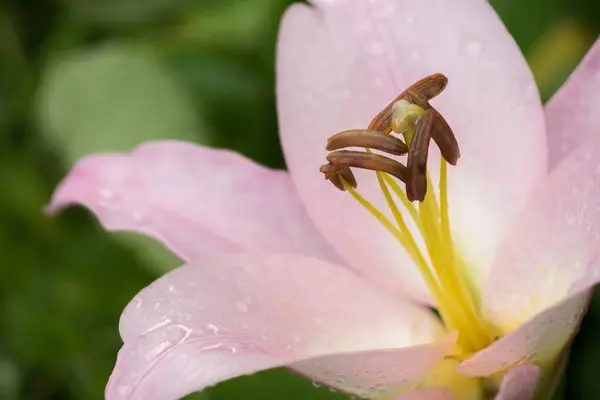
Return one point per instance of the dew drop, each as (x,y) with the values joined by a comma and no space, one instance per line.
(316,384)
(414,56)
(376,48)
(531,90)
(387,9)
(107,193)
(212,328)
(138,216)
(473,48)
(156,326)
(159,349)
(378,82)
(124,390)
(241,306)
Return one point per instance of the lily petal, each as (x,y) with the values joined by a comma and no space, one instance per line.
(572,116)
(538,341)
(519,383)
(554,243)
(341,62)
(197,326)
(540,283)
(196,200)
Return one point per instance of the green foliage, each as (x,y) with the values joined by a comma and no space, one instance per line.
(111,98)
(81,76)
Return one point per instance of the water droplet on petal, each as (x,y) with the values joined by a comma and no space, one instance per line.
(473,48)
(376,48)
(241,306)
(413,56)
(213,328)
(157,326)
(107,193)
(138,216)
(138,303)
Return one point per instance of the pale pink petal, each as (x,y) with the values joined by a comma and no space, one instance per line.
(342,61)
(376,373)
(519,383)
(572,114)
(541,278)
(539,340)
(237,314)
(552,249)
(196,200)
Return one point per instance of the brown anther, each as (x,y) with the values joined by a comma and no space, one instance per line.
(418,93)
(337,175)
(416,184)
(444,138)
(370,161)
(367,139)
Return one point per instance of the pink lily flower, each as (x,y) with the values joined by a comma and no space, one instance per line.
(282,269)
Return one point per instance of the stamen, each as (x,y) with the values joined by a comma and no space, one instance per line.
(445,222)
(370,161)
(416,186)
(411,115)
(405,202)
(444,138)
(367,139)
(428,88)
(411,247)
(338,175)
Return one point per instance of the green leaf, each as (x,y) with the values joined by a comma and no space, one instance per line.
(110,99)
(117,13)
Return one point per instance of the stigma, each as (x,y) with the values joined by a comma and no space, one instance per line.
(405,128)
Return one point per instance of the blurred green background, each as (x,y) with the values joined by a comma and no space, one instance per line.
(80,76)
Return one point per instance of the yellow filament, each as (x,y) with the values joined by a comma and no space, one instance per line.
(436,233)
(445,222)
(409,244)
(426,222)
(442,276)
(405,202)
(477,330)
